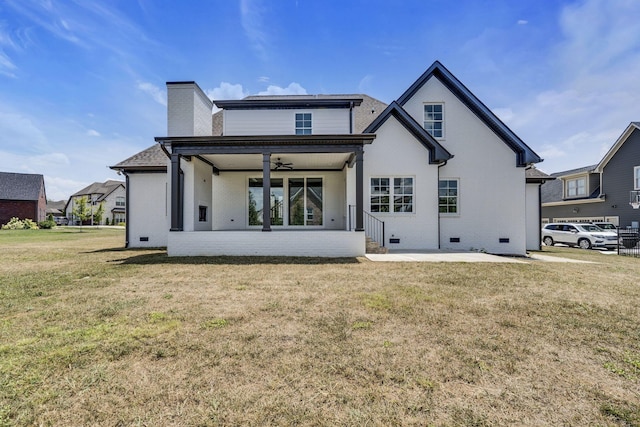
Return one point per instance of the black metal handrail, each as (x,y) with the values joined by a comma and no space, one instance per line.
(373,227)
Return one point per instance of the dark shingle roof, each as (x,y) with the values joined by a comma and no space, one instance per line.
(20,186)
(99,188)
(552,191)
(575,171)
(533,174)
(152,158)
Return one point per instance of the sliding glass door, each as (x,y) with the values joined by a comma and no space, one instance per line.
(302,207)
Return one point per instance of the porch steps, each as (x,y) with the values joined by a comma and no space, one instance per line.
(374,247)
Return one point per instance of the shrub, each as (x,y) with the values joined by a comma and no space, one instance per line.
(18,224)
(47,224)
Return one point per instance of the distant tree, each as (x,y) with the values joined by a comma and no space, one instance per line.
(97,216)
(81,209)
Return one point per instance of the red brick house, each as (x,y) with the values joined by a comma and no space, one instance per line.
(22,195)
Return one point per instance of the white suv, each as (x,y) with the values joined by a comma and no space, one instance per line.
(585,236)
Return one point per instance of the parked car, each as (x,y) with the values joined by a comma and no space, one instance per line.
(584,236)
(608,226)
(61,220)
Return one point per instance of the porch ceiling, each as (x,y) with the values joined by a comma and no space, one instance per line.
(304,152)
(307,161)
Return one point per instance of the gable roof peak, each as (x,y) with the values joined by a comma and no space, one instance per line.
(525,155)
(437,153)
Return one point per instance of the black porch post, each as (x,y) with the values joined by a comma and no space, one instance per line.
(176,224)
(359,189)
(266,191)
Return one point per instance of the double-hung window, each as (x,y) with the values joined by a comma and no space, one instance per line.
(391,194)
(303,123)
(448,196)
(434,119)
(636,178)
(576,187)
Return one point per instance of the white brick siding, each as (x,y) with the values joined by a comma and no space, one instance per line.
(320,243)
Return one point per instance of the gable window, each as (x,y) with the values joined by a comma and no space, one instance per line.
(448,196)
(391,194)
(576,187)
(434,119)
(303,123)
(120,201)
(636,178)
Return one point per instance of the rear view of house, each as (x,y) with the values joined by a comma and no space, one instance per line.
(22,196)
(312,175)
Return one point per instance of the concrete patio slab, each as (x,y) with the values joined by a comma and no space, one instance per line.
(448,256)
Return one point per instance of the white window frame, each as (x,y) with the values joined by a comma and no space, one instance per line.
(636,178)
(573,191)
(392,195)
(432,120)
(457,197)
(305,120)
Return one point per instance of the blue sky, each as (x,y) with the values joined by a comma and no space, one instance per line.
(82,83)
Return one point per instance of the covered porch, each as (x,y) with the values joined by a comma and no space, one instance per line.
(266,195)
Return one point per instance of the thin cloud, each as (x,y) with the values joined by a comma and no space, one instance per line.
(253,23)
(93,132)
(227,91)
(522,22)
(292,89)
(593,94)
(154,91)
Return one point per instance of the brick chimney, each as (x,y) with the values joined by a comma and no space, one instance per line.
(188,110)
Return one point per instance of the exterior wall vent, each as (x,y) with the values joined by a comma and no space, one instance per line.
(504,240)
(394,240)
(454,240)
(144,239)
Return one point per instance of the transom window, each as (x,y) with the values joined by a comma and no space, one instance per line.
(576,187)
(386,197)
(636,178)
(448,196)
(434,119)
(303,123)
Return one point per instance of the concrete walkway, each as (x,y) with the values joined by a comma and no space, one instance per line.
(448,256)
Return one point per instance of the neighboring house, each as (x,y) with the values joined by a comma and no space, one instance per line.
(436,166)
(111,193)
(22,195)
(601,192)
(56,209)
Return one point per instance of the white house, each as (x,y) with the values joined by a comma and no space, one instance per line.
(436,167)
(110,194)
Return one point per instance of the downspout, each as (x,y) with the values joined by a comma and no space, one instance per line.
(351,117)
(126,209)
(539,215)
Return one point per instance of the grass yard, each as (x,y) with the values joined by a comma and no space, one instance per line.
(91,334)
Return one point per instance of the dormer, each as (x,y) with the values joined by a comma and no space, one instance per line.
(289,115)
(580,183)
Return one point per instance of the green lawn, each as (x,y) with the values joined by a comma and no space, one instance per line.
(92,334)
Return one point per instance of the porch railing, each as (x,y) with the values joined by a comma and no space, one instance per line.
(373,227)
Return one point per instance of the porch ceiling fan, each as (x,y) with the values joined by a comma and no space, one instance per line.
(280,165)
